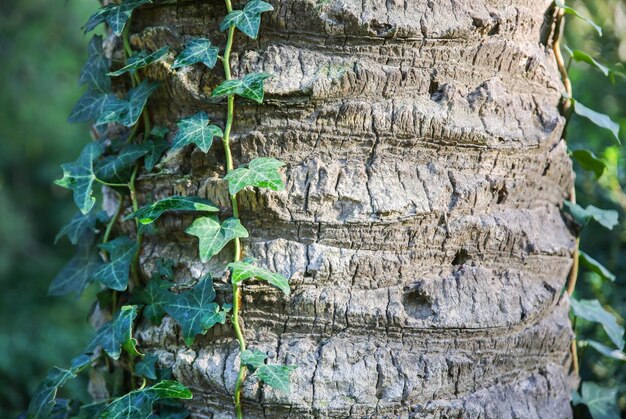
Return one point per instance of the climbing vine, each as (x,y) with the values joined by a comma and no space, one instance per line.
(106,256)
(601,401)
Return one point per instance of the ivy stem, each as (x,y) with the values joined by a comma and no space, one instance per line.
(105,239)
(133,197)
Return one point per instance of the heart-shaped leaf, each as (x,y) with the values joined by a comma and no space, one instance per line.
(75,276)
(81,228)
(214,235)
(276,376)
(155,296)
(593,311)
(139,60)
(117,168)
(251,87)
(261,172)
(196,130)
(589,161)
(152,212)
(156,147)
(197,50)
(117,334)
(114,274)
(601,401)
(89,107)
(115,15)
(600,119)
(247,20)
(126,111)
(595,266)
(244,270)
(147,367)
(606,218)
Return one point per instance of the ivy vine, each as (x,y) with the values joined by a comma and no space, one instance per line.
(111,259)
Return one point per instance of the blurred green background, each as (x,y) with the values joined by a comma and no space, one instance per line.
(42,50)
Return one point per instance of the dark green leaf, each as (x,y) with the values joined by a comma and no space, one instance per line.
(247,20)
(165,269)
(139,60)
(75,276)
(600,119)
(89,107)
(114,274)
(82,228)
(606,351)
(573,12)
(261,173)
(79,176)
(95,71)
(147,367)
(155,296)
(115,15)
(117,168)
(595,266)
(214,236)
(126,111)
(606,218)
(591,310)
(138,403)
(253,359)
(601,401)
(152,212)
(197,50)
(589,161)
(156,148)
(251,87)
(276,376)
(117,334)
(195,310)
(196,130)
(244,270)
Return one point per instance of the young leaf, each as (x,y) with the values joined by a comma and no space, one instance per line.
(589,161)
(147,367)
(247,20)
(600,119)
(606,351)
(94,73)
(195,310)
(79,176)
(601,401)
(115,15)
(196,130)
(276,376)
(214,236)
(155,296)
(244,270)
(595,266)
(75,276)
(573,12)
(152,212)
(580,56)
(126,111)
(117,334)
(251,87)
(156,148)
(82,228)
(89,107)
(606,218)
(261,172)
(114,274)
(253,359)
(117,168)
(197,50)
(138,403)
(140,60)
(591,310)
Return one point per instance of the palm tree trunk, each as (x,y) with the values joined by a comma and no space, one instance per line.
(420,223)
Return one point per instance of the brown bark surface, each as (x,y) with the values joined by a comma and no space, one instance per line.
(420,222)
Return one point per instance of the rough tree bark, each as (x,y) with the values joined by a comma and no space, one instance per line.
(420,223)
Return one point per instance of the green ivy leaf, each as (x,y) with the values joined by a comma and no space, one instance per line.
(75,276)
(115,15)
(195,310)
(573,12)
(114,274)
(126,111)
(606,218)
(197,50)
(276,376)
(94,73)
(589,161)
(261,173)
(247,20)
(43,400)
(600,119)
(601,401)
(117,334)
(79,176)
(156,148)
(253,359)
(147,367)
(251,87)
(593,311)
(155,296)
(81,228)
(595,266)
(606,351)
(117,168)
(196,130)
(152,212)
(244,270)
(214,236)
(583,57)
(165,269)
(139,60)
(89,107)
(138,403)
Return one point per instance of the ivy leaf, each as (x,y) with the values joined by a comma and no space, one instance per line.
(115,15)
(606,351)
(595,266)
(152,212)
(75,276)
(253,359)
(592,311)
(43,401)
(214,236)
(573,12)
(94,73)
(117,168)
(589,161)
(247,20)
(79,176)
(581,56)
(600,119)
(251,87)
(197,50)
(89,107)
(147,367)
(261,172)
(155,148)
(195,310)
(138,403)
(117,334)
(196,130)
(601,401)
(165,269)
(126,111)
(155,296)
(244,270)
(81,228)
(139,60)
(276,376)
(114,274)
(606,218)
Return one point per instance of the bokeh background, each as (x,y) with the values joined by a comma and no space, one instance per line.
(42,50)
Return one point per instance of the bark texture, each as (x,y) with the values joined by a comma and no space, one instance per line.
(420,222)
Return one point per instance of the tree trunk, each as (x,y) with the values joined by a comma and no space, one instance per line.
(420,224)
